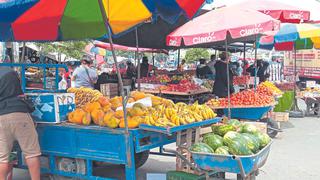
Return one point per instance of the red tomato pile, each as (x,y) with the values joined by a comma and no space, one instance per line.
(241,80)
(184,86)
(248,98)
(265,90)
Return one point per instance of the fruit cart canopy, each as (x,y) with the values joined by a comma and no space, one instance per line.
(231,23)
(47,20)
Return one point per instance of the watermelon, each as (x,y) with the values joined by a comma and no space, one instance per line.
(223,150)
(251,141)
(238,147)
(234,122)
(201,147)
(213,140)
(227,138)
(222,129)
(248,128)
(263,138)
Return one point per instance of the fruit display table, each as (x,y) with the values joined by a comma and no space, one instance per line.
(187,97)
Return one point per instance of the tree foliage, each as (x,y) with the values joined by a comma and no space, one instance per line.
(73,49)
(195,54)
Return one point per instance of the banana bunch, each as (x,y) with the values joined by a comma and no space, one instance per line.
(160,122)
(85,95)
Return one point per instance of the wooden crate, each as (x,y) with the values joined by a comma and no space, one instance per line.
(109,90)
(280,116)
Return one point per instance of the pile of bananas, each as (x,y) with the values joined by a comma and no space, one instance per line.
(179,114)
(272,87)
(85,95)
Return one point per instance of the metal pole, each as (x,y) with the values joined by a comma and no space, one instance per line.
(106,22)
(256,65)
(244,51)
(137,57)
(23,52)
(295,78)
(153,67)
(178,58)
(228,79)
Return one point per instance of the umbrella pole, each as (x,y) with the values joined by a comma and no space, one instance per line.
(137,58)
(244,51)
(153,68)
(228,79)
(256,65)
(295,79)
(178,58)
(124,100)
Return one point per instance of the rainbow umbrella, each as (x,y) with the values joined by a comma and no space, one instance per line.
(49,20)
(292,36)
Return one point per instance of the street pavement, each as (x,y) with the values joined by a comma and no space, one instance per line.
(294,156)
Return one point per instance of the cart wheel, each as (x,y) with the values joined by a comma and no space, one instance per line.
(69,165)
(272,127)
(251,176)
(141,158)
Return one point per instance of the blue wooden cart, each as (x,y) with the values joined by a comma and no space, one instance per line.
(71,150)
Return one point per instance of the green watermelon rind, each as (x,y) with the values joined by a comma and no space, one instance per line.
(201,148)
(213,140)
(223,129)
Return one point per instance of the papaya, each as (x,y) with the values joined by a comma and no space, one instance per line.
(104,101)
(112,122)
(97,116)
(89,107)
(86,120)
(132,123)
(108,115)
(76,116)
(137,95)
(119,114)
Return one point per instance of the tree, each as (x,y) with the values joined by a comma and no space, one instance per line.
(195,54)
(74,49)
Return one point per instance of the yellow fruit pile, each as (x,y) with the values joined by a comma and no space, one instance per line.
(85,95)
(272,87)
(177,114)
(163,112)
(213,103)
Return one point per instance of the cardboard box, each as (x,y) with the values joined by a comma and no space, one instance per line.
(110,89)
(280,116)
(52,107)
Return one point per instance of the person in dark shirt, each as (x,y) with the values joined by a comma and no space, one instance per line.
(145,67)
(131,73)
(203,70)
(16,124)
(220,86)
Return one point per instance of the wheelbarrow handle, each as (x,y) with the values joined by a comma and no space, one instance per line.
(183,158)
(242,172)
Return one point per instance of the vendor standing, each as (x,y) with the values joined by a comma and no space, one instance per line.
(16,124)
(203,71)
(145,67)
(84,75)
(220,86)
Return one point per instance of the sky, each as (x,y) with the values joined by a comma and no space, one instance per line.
(312,5)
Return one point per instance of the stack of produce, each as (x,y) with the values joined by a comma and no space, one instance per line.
(234,138)
(85,95)
(160,79)
(241,80)
(164,113)
(169,114)
(285,86)
(243,99)
(184,86)
(269,88)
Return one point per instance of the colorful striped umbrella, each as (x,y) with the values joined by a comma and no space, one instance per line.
(292,36)
(49,20)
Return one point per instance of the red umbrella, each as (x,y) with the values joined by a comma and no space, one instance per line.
(214,26)
(277,10)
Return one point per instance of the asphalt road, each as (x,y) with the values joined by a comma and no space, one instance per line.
(294,155)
